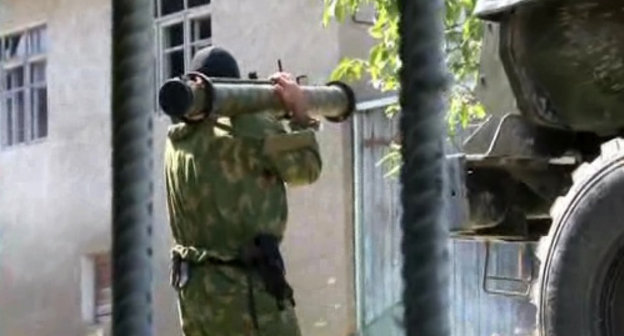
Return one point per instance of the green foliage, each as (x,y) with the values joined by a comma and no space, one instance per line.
(462,45)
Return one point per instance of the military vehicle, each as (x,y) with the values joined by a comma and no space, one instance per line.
(547,165)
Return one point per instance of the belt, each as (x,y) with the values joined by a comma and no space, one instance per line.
(262,257)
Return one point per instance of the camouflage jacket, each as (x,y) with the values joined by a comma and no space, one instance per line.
(223,189)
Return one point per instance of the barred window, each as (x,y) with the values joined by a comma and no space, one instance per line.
(182,28)
(23,88)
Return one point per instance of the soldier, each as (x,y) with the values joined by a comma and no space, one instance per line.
(227,208)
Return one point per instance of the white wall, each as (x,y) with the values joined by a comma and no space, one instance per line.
(55,196)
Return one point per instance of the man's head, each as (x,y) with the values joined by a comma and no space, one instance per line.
(212,62)
(215,62)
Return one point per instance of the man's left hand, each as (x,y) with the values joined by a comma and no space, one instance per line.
(292,96)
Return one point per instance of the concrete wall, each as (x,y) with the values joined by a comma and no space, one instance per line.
(55,196)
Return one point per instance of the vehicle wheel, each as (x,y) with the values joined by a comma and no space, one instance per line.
(580,290)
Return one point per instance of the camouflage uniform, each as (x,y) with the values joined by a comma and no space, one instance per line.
(222,190)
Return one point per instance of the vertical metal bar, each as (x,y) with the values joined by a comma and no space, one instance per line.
(426,270)
(132,105)
(357,219)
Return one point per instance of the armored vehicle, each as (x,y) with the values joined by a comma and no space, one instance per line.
(547,165)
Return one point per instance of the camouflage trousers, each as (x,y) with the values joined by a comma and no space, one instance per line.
(215,302)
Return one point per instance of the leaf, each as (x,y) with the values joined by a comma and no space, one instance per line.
(467,4)
(326,12)
(464,116)
(377,30)
(392,160)
(392,110)
(340,11)
(348,69)
(376,54)
(478,111)
(393,172)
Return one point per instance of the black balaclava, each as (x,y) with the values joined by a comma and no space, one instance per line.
(215,62)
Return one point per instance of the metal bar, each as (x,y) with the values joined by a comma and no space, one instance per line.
(132,167)
(426,268)
(357,222)
(372,105)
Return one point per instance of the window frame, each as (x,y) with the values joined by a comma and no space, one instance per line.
(25,61)
(90,290)
(102,262)
(186,17)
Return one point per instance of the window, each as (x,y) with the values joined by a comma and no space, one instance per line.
(103,288)
(182,28)
(23,89)
(96,288)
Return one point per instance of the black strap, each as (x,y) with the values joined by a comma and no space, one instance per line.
(251,301)
(266,259)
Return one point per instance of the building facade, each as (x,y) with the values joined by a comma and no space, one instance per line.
(55,157)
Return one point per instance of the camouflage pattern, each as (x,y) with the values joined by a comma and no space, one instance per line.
(222,190)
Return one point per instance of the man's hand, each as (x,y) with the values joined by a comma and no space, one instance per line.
(196,82)
(291,96)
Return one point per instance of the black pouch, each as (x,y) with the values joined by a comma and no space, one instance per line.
(264,257)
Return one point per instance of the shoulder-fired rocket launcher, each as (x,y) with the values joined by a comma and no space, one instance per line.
(222,97)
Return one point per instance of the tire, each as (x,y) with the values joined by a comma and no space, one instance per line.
(581,283)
